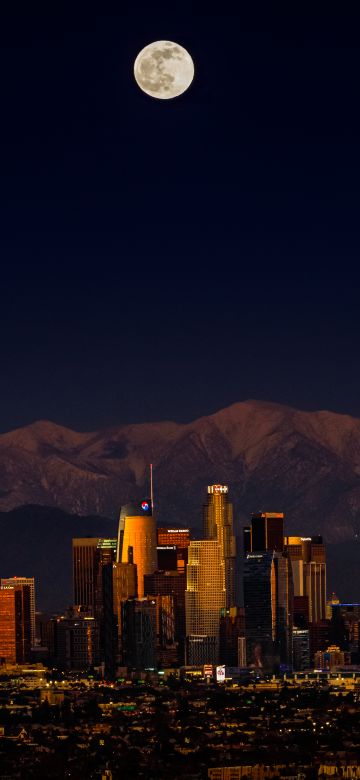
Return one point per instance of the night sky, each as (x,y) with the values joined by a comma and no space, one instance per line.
(163,259)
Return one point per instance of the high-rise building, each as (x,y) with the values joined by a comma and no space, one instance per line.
(84,571)
(267,532)
(90,554)
(30,582)
(307,555)
(15,623)
(301,649)
(232,629)
(104,603)
(178,539)
(268,600)
(205,597)
(319,637)
(139,633)
(301,612)
(77,640)
(138,532)
(218,525)
(124,588)
(333,599)
(93,560)
(167,557)
(166,647)
(246,539)
(331,658)
(171,583)
(345,628)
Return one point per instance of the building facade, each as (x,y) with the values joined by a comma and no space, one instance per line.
(139,633)
(138,533)
(171,583)
(15,623)
(205,597)
(268,601)
(30,582)
(218,525)
(308,560)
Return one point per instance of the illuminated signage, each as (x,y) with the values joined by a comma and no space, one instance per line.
(208,670)
(166,547)
(145,506)
(177,530)
(218,489)
(220,674)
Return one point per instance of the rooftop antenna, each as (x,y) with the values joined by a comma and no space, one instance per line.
(151,488)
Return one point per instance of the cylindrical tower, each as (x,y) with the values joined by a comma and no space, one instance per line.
(139,535)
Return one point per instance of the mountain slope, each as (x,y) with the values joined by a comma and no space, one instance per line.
(271,456)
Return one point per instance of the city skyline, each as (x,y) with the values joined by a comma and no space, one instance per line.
(196,607)
(179,391)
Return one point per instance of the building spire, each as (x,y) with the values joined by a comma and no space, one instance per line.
(151,488)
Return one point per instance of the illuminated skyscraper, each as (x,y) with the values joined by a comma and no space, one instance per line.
(218,524)
(15,623)
(205,597)
(307,555)
(30,581)
(84,571)
(138,532)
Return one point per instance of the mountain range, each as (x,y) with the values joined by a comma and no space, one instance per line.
(272,457)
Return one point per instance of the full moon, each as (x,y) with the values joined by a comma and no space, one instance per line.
(164,69)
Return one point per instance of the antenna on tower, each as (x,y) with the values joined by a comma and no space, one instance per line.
(151,488)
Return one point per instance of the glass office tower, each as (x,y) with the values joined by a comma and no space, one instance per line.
(268,601)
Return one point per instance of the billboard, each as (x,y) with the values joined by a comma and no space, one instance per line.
(220,674)
(208,670)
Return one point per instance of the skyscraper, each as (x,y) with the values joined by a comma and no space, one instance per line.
(30,581)
(179,540)
(171,583)
(90,554)
(205,597)
(218,525)
(345,628)
(307,555)
(77,640)
(268,593)
(232,637)
(139,633)
(15,623)
(93,560)
(267,532)
(104,607)
(139,533)
(124,588)
(268,600)
(84,571)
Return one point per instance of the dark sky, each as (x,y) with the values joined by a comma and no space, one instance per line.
(162,259)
